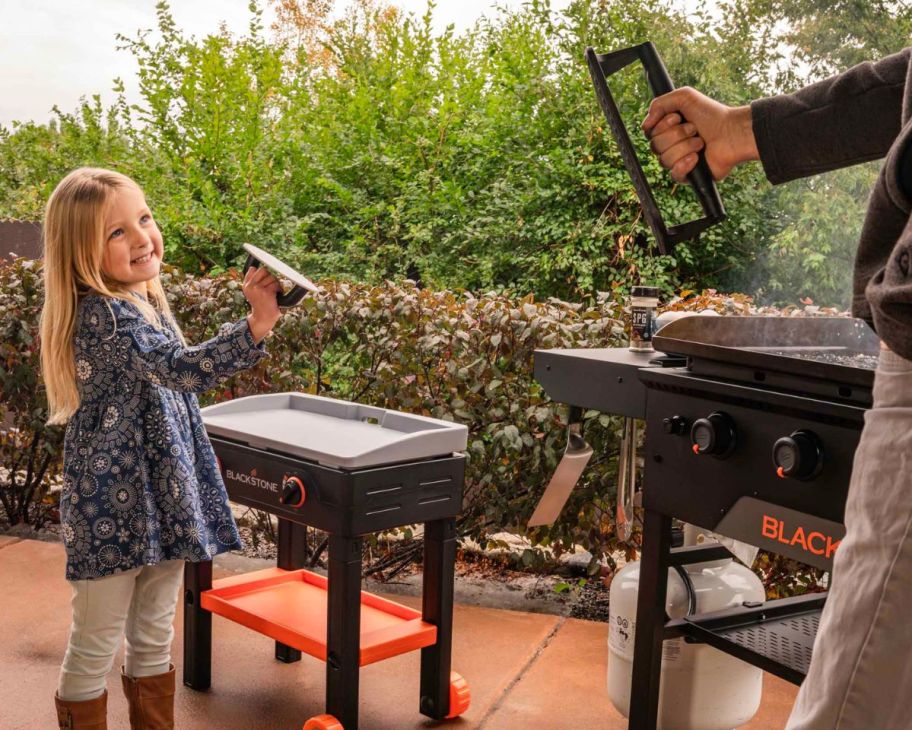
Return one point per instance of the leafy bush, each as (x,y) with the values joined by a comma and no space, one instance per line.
(442,354)
(30,451)
(370,147)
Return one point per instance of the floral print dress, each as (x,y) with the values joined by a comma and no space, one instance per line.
(140,483)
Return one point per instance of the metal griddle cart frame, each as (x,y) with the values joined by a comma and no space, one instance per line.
(362,470)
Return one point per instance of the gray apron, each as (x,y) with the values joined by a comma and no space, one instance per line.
(860,677)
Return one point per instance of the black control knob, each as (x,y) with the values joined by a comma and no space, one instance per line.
(799,456)
(675,425)
(713,435)
(293,492)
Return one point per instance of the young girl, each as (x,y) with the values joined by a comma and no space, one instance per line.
(142,493)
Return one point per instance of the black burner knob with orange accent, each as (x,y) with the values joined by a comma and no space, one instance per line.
(293,492)
(714,435)
(799,456)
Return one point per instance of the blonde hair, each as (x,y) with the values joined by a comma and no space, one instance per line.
(74,248)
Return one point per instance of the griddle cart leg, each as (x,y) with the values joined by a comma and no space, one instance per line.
(343,640)
(197,626)
(437,609)
(292,554)
(650,626)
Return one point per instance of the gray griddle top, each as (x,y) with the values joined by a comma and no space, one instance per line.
(333,432)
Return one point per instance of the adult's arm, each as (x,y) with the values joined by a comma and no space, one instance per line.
(841,121)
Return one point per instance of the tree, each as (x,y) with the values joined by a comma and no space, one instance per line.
(368,147)
(818,219)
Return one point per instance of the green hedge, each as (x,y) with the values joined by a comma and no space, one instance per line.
(442,354)
(476,160)
(30,452)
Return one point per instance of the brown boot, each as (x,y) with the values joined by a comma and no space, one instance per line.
(151,700)
(85,715)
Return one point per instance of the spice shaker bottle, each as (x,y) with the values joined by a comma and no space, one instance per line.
(643,303)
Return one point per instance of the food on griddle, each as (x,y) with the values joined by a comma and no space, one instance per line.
(846,359)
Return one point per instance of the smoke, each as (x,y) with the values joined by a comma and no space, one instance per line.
(814,232)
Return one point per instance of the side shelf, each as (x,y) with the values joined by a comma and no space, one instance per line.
(290,606)
(603,379)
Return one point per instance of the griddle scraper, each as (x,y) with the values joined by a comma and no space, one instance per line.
(567,474)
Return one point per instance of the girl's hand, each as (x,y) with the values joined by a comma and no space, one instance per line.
(261,289)
(726,133)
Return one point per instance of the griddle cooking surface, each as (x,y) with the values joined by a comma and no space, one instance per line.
(835,356)
(838,350)
(333,432)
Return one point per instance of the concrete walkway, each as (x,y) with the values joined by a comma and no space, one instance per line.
(525,670)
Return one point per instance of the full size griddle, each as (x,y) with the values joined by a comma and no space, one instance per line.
(756,383)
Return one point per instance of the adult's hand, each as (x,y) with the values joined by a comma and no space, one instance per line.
(724,132)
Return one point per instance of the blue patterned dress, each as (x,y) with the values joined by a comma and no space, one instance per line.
(140,483)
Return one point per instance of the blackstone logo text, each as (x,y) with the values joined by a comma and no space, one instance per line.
(252,479)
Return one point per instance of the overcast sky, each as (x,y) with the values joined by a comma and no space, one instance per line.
(54,51)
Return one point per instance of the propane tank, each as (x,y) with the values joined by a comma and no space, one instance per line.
(702,688)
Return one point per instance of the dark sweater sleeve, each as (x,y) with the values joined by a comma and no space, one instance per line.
(841,121)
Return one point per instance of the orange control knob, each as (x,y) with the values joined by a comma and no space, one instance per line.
(293,492)
(798,456)
(460,696)
(323,722)
(714,435)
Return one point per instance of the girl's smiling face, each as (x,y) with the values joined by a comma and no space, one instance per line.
(133,243)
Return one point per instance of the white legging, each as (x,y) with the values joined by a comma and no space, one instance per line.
(138,604)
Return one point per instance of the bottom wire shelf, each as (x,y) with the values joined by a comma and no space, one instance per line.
(777,636)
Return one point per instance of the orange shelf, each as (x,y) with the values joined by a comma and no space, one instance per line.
(290,606)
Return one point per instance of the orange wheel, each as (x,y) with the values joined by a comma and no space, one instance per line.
(324,722)
(460,696)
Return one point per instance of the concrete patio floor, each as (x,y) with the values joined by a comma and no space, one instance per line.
(525,670)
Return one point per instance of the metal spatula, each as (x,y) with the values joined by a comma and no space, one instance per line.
(302,285)
(567,474)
